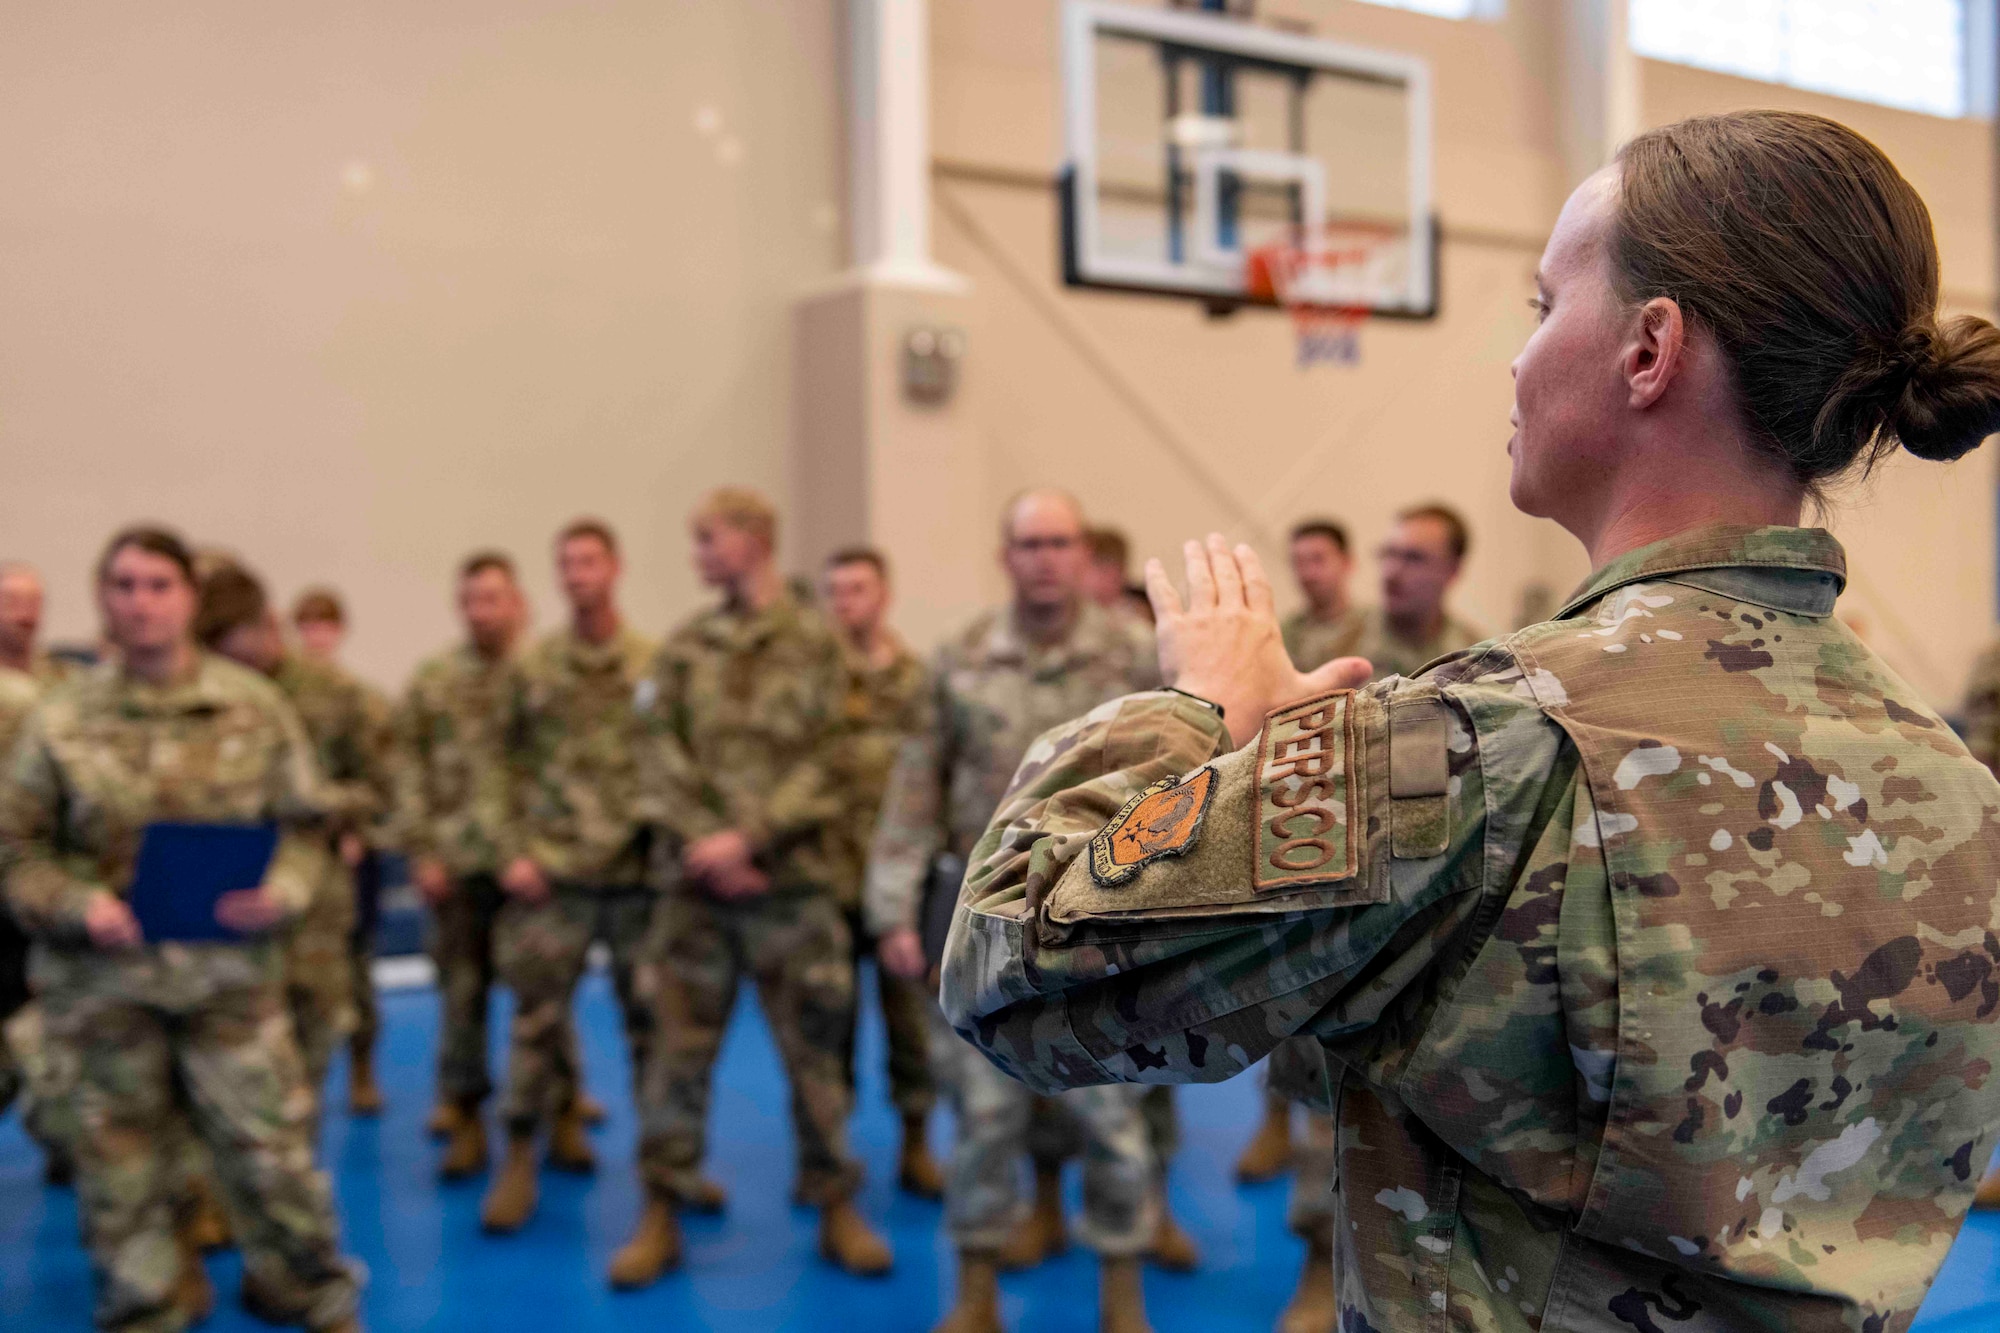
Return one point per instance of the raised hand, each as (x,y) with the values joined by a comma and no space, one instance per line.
(1223,642)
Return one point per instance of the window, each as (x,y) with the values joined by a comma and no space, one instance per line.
(1913,54)
(1448,9)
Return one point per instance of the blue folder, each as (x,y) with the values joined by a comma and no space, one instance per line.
(184,868)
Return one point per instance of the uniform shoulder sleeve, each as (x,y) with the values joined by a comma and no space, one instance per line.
(1132,916)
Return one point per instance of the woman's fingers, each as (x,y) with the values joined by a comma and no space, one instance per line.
(1160,591)
(1228,579)
(1201,579)
(1256,584)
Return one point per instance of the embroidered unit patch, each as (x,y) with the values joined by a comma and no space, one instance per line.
(1305,795)
(1163,820)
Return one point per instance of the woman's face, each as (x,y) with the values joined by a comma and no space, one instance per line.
(148,602)
(1571,402)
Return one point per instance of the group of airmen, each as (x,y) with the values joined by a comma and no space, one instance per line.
(777,790)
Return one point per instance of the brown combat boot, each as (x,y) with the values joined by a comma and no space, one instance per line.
(1269,1153)
(445,1119)
(1121,1298)
(1988,1193)
(848,1242)
(654,1250)
(569,1146)
(588,1109)
(1312,1308)
(916,1170)
(466,1153)
(193,1294)
(510,1201)
(1041,1234)
(977,1309)
(208,1226)
(1171,1247)
(364,1095)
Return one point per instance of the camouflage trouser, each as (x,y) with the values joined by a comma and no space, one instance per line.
(1297,1072)
(48,1071)
(319,977)
(223,1063)
(541,950)
(906,1009)
(795,947)
(462,930)
(983,1199)
(1054,1136)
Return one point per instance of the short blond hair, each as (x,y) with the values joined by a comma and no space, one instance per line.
(743,509)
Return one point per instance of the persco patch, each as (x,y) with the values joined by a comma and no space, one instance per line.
(1163,820)
(1305,832)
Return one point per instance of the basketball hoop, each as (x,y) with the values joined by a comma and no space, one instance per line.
(1321,286)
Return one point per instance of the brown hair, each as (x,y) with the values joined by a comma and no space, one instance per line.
(595,528)
(479,561)
(743,509)
(1797,244)
(1108,546)
(1322,527)
(318,604)
(230,597)
(1455,532)
(859,555)
(152,539)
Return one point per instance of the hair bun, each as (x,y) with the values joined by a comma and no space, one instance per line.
(1942,387)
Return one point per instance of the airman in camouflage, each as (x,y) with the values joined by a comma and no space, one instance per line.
(452,811)
(1328,624)
(167,1030)
(1697,1112)
(575,861)
(350,744)
(319,621)
(882,704)
(743,709)
(1009,676)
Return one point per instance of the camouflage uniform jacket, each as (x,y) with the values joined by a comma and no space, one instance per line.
(349,729)
(1651,949)
(451,766)
(1313,642)
(1982,709)
(573,761)
(745,725)
(103,756)
(881,707)
(18,692)
(992,692)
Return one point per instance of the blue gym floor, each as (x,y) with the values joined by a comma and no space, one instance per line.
(753,1269)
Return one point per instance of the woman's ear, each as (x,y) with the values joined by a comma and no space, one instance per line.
(1655,353)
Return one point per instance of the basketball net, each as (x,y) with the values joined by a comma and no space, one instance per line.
(1311,285)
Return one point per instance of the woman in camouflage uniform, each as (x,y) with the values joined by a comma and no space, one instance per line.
(171,1030)
(1651,948)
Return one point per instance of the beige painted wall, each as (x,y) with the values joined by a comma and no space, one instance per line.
(550,292)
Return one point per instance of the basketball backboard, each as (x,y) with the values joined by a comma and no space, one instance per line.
(1207,152)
